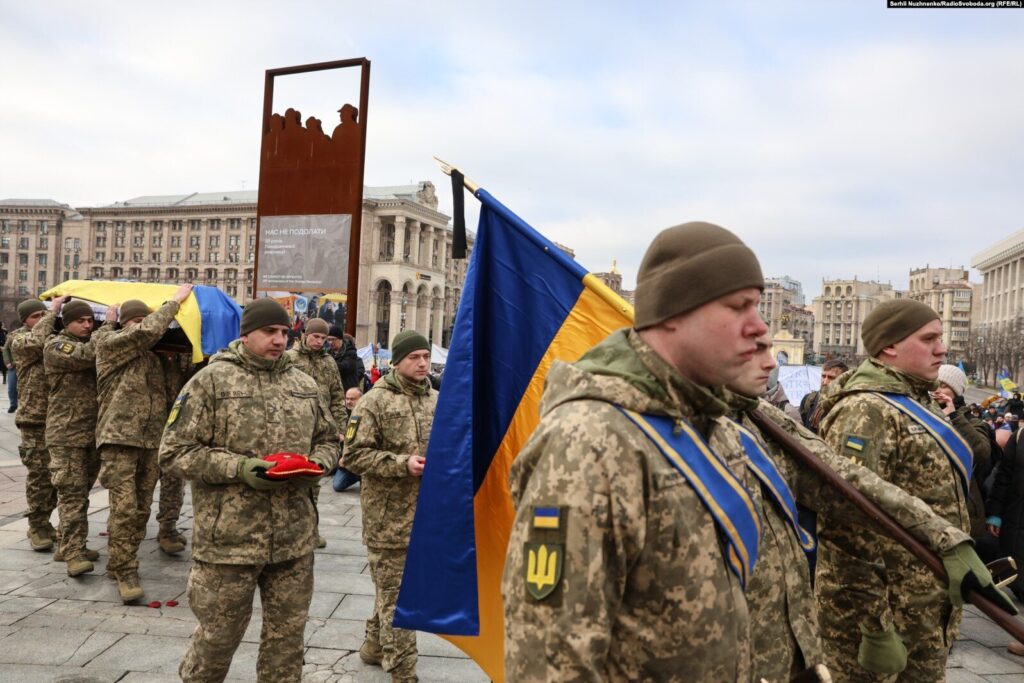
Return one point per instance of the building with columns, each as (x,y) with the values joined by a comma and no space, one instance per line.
(411,281)
(949,292)
(839,313)
(1002,286)
(407,278)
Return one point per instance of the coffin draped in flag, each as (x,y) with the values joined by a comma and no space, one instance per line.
(525,303)
(209,318)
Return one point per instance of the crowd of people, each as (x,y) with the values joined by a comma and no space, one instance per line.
(661,524)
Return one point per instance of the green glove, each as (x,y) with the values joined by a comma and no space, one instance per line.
(881,652)
(967,573)
(308,481)
(252,471)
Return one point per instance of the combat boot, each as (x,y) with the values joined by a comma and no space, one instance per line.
(79,566)
(404,678)
(171,543)
(321,542)
(129,588)
(370,652)
(39,539)
(90,554)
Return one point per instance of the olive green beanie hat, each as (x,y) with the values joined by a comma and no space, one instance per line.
(133,308)
(28,307)
(688,266)
(75,309)
(261,313)
(405,343)
(317,326)
(894,321)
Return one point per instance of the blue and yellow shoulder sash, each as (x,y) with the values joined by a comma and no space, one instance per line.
(761,464)
(952,444)
(721,492)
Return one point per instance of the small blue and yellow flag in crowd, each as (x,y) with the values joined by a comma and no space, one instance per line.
(525,303)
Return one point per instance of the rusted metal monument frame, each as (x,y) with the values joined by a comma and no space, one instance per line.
(315,204)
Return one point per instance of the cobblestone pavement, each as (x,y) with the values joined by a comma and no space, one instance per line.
(53,628)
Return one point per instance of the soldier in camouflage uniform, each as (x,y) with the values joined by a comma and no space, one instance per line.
(27,345)
(784,623)
(310,356)
(178,369)
(645,590)
(249,530)
(385,441)
(132,412)
(885,616)
(70,363)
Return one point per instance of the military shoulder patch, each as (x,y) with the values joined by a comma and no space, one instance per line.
(547,518)
(65,347)
(353,427)
(854,443)
(915,428)
(543,568)
(179,403)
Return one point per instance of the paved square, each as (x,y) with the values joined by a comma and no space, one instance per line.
(53,628)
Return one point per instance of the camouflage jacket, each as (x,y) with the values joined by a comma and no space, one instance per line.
(322,367)
(71,409)
(644,592)
(390,423)
(130,382)
(781,588)
(242,406)
(857,565)
(27,352)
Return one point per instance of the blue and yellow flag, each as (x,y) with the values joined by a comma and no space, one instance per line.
(525,303)
(209,318)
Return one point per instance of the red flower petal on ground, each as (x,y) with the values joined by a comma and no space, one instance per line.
(155,604)
(171,603)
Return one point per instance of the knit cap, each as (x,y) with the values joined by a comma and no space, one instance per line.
(317,326)
(75,309)
(405,343)
(133,308)
(954,378)
(262,313)
(894,321)
(28,307)
(690,265)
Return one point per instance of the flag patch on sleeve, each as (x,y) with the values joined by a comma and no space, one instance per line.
(546,518)
(854,443)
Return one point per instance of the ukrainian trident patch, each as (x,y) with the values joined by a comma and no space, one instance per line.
(179,403)
(543,570)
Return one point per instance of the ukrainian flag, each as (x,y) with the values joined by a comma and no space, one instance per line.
(209,318)
(525,303)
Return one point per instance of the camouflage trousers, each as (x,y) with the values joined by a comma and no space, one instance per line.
(220,596)
(398,644)
(130,475)
(40,495)
(927,624)
(172,495)
(73,472)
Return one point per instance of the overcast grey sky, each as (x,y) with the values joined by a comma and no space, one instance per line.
(837,138)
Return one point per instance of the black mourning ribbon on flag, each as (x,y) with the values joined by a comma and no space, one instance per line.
(459,209)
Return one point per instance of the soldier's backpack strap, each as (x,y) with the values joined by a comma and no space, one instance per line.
(722,493)
(952,444)
(761,464)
